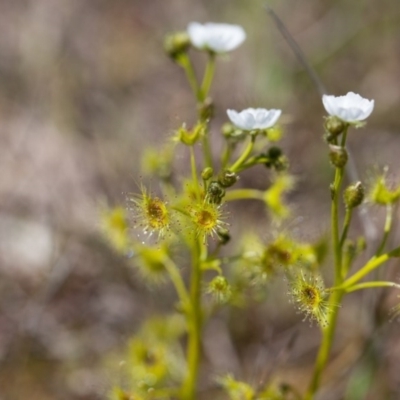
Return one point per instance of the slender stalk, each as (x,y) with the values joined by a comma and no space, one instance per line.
(186,64)
(337,251)
(346,225)
(336,297)
(177,281)
(226,155)
(247,151)
(202,96)
(326,344)
(194,170)
(241,194)
(194,326)
(373,263)
(374,284)
(208,77)
(387,228)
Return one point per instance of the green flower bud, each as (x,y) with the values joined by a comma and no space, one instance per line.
(176,44)
(233,133)
(227,178)
(275,159)
(223,235)
(334,127)
(354,195)
(215,192)
(338,156)
(207,173)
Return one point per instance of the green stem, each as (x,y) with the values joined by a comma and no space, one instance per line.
(208,77)
(346,225)
(247,151)
(337,251)
(326,344)
(202,95)
(194,325)
(241,194)
(226,155)
(374,284)
(177,281)
(373,263)
(208,160)
(194,170)
(387,228)
(186,64)
(336,297)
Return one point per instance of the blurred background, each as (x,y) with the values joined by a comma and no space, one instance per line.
(85,87)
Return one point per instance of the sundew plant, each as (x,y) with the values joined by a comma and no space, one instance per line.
(176,231)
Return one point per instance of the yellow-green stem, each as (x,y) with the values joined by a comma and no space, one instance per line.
(346,225)
(241,194)
(373,284)
(208,77)
(336,297)
(337,251)
(326,344)
(186,64)
(194,324)
(387,228)
(247,151)
(177,281)
(202,95)
(373,263)
(194,171)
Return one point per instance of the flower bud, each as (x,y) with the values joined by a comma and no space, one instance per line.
(334,127)
(227,178)
(206,109)
(354,195)
(338,156)
(276,160)
(176,44)
(215,192)
(223,235)
(207,173)
(230,132)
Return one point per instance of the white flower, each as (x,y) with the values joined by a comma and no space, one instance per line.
(219,38)
(350,108)
(254,118)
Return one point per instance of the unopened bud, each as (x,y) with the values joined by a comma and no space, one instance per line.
(338,156)
(276,160)
(176,44)
(207,173)
(334,127)
(223,235)
(354,195)
(215,192)
(227,178)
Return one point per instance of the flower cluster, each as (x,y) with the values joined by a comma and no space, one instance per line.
(186,233)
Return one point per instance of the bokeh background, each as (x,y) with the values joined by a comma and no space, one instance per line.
(85,86)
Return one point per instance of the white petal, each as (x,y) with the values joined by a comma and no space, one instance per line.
(349,108)
(328,102)
(196,34)
(217,37)
(254,118)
